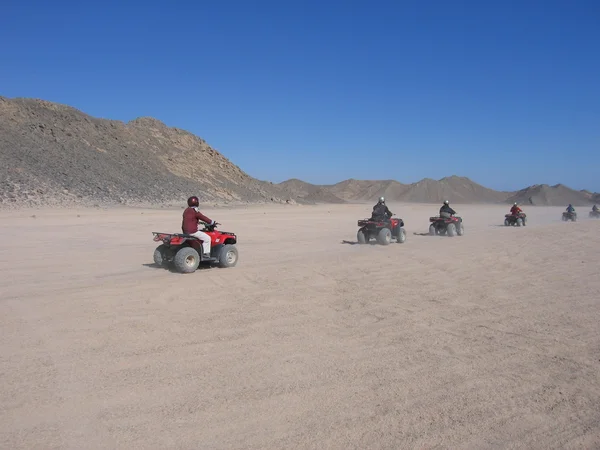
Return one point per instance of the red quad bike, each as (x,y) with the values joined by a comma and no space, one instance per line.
(185,251)
(383,231)
(449,226)
(519,219)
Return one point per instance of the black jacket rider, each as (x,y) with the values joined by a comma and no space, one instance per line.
(381,212)
(446,209)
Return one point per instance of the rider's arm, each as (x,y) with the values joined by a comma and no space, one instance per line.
(203,218)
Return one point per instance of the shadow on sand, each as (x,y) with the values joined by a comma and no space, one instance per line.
(172,269)
(356,242)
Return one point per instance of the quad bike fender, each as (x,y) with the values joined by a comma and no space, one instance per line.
(445,220)
(177,240)
(160,237)
(171,239)
(219,239)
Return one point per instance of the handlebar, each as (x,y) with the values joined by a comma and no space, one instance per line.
(207,225)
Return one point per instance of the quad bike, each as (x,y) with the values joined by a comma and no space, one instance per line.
(594,214)
(519,219)
(382,230)
(566,216)
(184,251)
(449,226)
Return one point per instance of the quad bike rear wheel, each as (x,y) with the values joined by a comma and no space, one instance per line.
(506,222)
(451,230)
(159,255)
(186,260)
(432,231)
(362,236)
(228,256)
(384,237)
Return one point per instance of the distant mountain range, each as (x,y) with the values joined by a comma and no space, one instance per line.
(454,188)
(53,154)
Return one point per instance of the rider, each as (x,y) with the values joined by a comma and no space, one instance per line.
(570,209)
(446,211)
(189,225)
(595,208)
(381,211)
(515,210)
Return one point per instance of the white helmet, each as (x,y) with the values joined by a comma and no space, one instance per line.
(446,202)
(381,199)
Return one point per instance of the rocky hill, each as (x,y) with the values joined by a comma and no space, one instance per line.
(454,188)
(303,191)
(557,195)
(368,190)
(53,154)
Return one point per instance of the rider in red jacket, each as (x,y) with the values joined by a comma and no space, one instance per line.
(515,210)
(189,225)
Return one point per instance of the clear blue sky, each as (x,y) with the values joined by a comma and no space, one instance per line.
(507,93)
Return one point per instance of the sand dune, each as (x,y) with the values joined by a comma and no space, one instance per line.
(489,340)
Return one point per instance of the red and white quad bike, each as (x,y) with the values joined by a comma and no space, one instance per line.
(383,231)
(448,226)
(184,251)
(519,219)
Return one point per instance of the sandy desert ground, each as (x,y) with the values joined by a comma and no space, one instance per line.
(490,340)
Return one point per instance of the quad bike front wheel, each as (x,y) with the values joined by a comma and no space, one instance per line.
(460,229)
(186,260)
(401,238)
(432,230)
(159,255)
(519,222)
(506,222)
(385,236)
(228,256)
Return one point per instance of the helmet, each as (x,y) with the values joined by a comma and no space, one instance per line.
(446,202)
(381,199)
(515,203)
(193,201)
